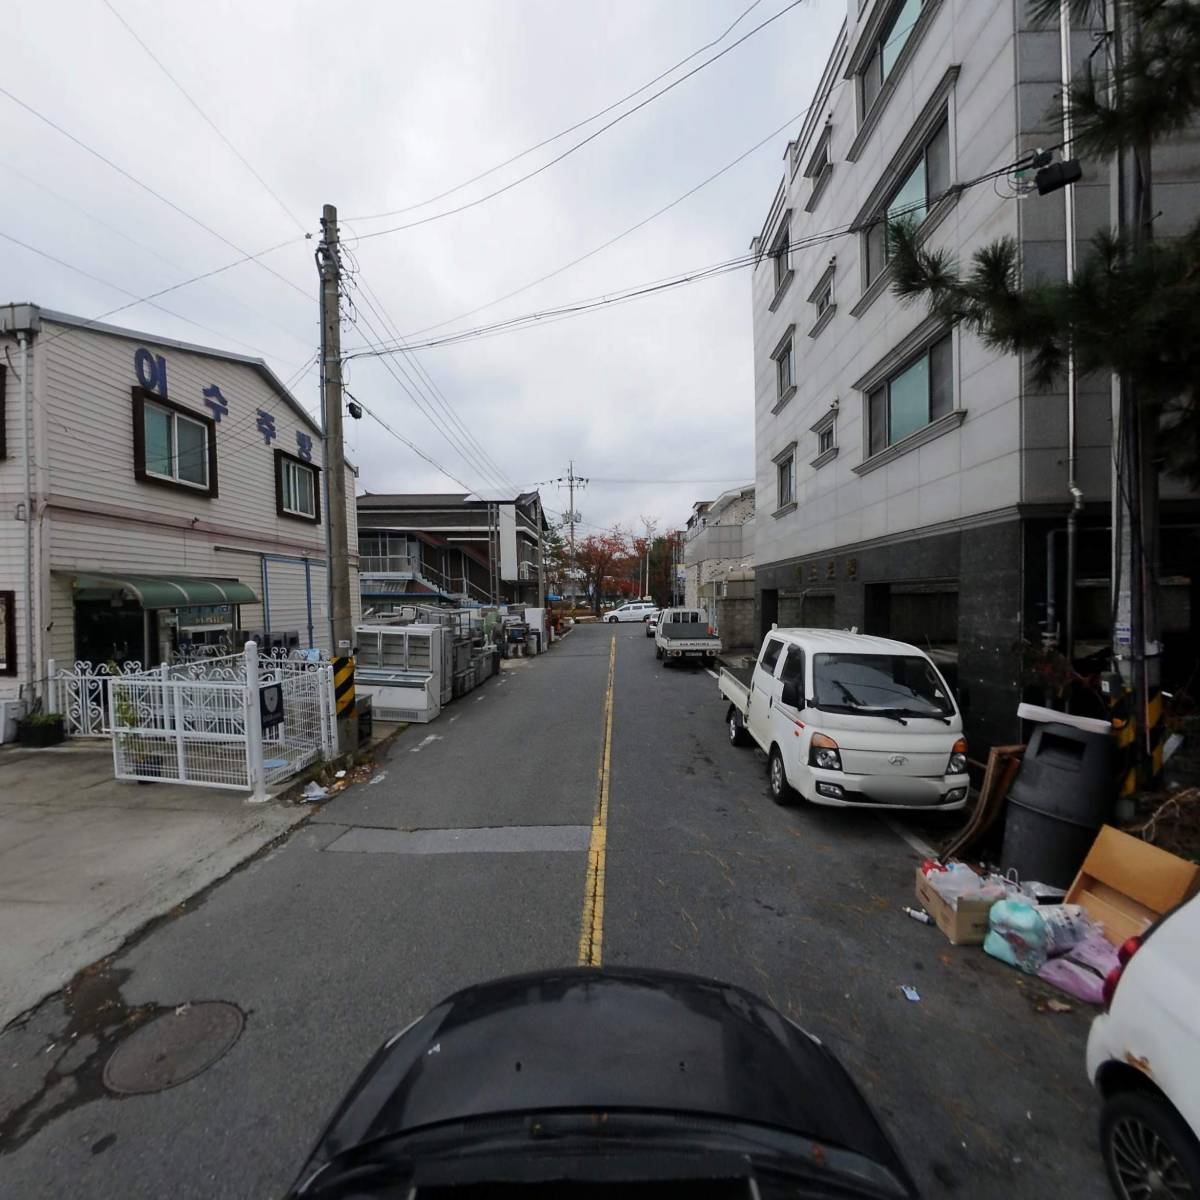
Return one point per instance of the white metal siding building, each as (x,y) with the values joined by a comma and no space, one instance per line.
(154,466)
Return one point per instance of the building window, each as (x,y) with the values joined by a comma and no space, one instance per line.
(297,488)
(176,446)
(926,181)
(825,440)
(781,255)
(785,474)
(824,297)
(173,447)
(826,433)
(889,42)
(918,393)
(8,633)
(784,370)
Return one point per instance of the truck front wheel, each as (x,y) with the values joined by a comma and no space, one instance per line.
(781,791)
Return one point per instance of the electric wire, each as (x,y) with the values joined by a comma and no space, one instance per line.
(204,116)
(116,287)
(183,212)
(620,296)
(482,461)
(458,187)
(583,141)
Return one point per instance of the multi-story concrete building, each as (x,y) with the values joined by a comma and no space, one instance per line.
(154,496)
(450,547)
(911,481)
(719,538)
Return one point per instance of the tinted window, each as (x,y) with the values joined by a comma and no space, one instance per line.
(771,655)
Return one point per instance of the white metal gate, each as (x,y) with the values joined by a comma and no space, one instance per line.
(199,723)
(80,693)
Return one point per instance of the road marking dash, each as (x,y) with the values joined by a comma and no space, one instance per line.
(433,737)
(591,932)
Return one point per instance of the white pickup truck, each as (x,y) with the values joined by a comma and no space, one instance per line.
(683,634)
(850,721)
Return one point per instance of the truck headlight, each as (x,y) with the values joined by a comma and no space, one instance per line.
(823,753)
(958,758)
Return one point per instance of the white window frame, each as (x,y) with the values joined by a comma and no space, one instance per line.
(173,475)
(290,470)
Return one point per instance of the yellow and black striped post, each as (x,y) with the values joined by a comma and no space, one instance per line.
(343,688)
(1139,743)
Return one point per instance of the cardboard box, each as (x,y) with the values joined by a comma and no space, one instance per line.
(1126,883)
(966,925)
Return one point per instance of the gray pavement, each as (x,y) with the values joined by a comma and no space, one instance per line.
(461,864)
(86,861)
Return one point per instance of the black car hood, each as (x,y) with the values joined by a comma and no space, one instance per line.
(605,1039)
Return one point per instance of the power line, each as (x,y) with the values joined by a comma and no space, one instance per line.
(898,36)
(564,311)
(207,119)
(91,216)
(434,393)
(62,262)
(415,449)
(417,400)
(395,212)
(625,233)
(590,137)
(151,191)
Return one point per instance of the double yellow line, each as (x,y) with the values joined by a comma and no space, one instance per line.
(591,932)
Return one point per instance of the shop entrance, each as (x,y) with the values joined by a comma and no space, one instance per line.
(108,633)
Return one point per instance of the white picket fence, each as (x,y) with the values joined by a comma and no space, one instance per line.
(199,722)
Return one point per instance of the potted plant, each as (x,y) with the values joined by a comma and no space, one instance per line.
(40,729)
(141,750)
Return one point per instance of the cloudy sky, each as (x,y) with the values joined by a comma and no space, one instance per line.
(379,106)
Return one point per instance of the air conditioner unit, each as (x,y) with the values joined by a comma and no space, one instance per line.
(413,699)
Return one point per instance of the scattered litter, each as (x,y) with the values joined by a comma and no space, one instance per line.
(49,1048)
(313,791)
(1058,1006)
(180,1009)
(339,775)
(436,1048)
(910,992)
(918,914)
(379,778)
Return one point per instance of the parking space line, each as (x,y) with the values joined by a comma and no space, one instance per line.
(918,843)
(591,932)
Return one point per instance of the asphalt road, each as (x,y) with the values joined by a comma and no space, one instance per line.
(467,858)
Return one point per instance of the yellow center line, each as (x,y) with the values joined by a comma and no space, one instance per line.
(591,932)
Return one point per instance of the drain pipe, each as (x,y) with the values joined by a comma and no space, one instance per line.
(27,431)
(1064,38)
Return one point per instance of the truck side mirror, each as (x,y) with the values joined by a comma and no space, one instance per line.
(790,694)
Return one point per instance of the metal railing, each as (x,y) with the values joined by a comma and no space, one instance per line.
(388,564)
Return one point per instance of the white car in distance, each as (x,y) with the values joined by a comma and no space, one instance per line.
(633,610)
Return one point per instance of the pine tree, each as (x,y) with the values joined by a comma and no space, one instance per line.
(1129,309)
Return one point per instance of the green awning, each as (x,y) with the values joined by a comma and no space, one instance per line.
(162,591)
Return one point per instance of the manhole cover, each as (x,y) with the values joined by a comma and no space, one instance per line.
(173,1048)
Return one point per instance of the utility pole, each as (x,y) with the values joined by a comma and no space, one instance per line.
(573,481)
(337,557)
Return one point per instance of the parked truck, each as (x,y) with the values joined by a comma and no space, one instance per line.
(683,634)
(850,721)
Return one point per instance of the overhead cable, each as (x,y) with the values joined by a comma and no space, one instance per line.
(395,212)
(583,141)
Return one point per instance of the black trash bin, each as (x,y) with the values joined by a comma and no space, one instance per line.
(1061,796)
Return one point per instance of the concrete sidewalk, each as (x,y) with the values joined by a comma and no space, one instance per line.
(85,861)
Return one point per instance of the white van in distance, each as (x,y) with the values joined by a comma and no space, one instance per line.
(851,721)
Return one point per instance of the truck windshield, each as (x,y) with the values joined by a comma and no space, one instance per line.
(895,683)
